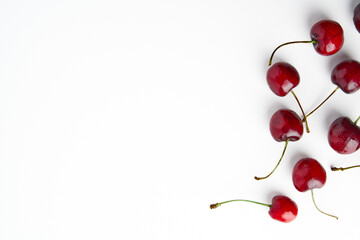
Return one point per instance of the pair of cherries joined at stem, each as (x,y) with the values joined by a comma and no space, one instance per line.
(308,174)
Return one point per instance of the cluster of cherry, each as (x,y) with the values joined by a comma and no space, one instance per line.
(327,38)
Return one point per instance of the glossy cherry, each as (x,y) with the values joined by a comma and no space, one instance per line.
(282,208)
(356,17)
(282,77)
(327,37)
(285,126)
(344,135)
(346,76)
(308,174)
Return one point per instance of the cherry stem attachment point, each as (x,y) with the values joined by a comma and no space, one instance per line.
(215,205)
(282,155)
(342,169)
(313,199)
(357,120)
(302,111)
(272,55)
(320,104)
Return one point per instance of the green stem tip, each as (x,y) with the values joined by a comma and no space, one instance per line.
(216,205)
(342,169)
(327,214)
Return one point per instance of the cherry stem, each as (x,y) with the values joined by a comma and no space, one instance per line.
(272,55)
(342,169)
(215,205)
(313,199)
(282,155)
(302,110)
(356,121)
(320,104)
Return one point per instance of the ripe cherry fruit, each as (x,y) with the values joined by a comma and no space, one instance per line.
(344,135)
(285,126)
(346,76)
(282,77)
(308,174)
(282,208)
(356,17)
(327,37)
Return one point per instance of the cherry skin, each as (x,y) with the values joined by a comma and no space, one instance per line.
(344,136)
(282,208)
(282,78)
(356,17)
(346,75)
(285,125)
(308,174)
(328,36)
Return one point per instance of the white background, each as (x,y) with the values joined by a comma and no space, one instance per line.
(126,119)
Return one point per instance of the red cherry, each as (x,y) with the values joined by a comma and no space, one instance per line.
(282,78)
(356,17)
(344,135)
(285,126)
(308,174)
(328,36)
(282,208)
(346,75)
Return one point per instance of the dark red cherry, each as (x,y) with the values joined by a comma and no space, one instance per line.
(346,75)
(328,36)
(344,135)
(356,17)
(285,125)
(282,208)
(308,174)
(282,78)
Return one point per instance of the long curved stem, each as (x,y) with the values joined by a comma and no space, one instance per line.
(215,205)
(342,169)
(312,195)
(302,110)
(321,103)
(282,155)
(272,55)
